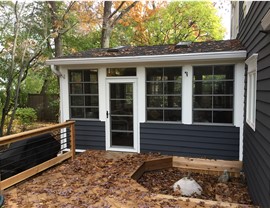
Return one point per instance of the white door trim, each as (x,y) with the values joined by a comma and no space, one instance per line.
(135,114)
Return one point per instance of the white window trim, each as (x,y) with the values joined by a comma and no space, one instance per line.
(251,90)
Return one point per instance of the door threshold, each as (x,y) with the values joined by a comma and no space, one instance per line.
(122,149)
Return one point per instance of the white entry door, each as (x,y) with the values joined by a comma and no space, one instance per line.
(121,115)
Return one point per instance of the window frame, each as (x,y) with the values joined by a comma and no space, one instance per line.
(112,72)
(83,94)
(251,63)
(212,109)
(163,94)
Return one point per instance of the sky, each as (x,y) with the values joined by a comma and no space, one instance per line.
(224,11)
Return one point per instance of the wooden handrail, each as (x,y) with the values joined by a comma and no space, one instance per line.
(27,134)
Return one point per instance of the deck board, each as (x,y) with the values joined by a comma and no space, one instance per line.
(96,178)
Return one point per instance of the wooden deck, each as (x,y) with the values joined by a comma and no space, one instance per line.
(93,179)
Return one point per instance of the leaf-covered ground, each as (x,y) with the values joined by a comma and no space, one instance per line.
(93,179)
(161,181)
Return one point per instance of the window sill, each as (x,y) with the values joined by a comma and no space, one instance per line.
(212,124)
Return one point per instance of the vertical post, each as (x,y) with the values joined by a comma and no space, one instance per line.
(72,140)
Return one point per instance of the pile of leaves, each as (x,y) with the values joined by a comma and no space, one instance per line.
(93,179)
(161,181)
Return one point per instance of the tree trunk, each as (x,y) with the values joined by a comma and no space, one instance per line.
(6,107)
(110,19)
(58,45)
(106,35)
(106,29)
(18,85)
(54,19)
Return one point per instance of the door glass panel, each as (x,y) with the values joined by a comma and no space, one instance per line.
(77,100)
(121,114)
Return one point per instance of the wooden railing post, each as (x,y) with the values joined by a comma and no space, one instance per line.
(72,140)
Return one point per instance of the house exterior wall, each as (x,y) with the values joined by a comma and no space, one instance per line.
(90,135)
(215,142)
(257,143)
(193,140)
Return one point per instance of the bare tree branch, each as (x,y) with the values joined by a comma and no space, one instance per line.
(126,10)
(71,4)
(118,8)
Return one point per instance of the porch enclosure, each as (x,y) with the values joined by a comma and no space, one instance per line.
(180,110)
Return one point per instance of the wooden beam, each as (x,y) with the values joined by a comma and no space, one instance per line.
(206,202)
(138,173)
(207,165)
(158,164)
(27,134)
(32,171)
(155,164)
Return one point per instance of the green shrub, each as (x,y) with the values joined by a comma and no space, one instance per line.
(26,116)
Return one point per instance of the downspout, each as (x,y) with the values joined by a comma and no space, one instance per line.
(56,71)
(59,75)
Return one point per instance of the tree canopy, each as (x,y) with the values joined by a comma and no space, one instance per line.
(32,32)
(175,22)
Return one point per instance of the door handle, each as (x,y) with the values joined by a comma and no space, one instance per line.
(107,114)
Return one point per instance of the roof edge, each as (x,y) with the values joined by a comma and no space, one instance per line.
(205,56)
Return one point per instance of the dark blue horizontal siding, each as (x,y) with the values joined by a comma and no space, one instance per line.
(215,142)
(256,156)
(90,134)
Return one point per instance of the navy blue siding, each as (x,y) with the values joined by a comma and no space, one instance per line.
(257,144)
(215,142)
(90,134)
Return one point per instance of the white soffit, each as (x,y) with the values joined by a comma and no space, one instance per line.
(188,57)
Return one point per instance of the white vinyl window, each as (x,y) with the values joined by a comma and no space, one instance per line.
(213,93)
(164,94)
(83,93)
(251,90)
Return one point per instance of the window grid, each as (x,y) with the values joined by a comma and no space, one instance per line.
(212,109)
(83,101)
(164,95)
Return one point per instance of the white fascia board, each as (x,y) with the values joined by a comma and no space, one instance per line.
(188,57)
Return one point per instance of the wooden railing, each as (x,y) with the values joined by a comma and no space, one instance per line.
(68,153)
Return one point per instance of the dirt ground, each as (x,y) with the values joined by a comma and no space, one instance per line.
(161,181)
(93,179)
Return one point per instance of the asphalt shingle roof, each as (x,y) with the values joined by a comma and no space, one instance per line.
(195,47)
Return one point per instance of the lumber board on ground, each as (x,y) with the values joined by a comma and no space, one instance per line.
(138,172)
(202,201)
(208,165)
(149,165)
(158,164)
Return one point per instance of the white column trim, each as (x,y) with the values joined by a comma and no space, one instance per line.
(64,96)
(141,89)
(187,74)
(102,93)
(141,94)
(239,92)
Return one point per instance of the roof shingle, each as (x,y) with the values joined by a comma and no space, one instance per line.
(195,47)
